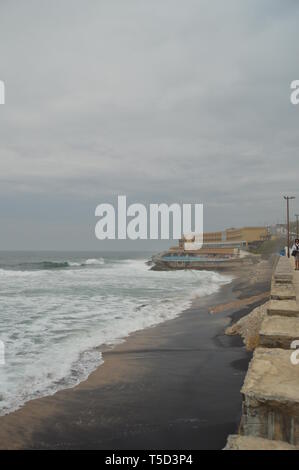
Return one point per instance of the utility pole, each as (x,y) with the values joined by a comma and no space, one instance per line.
(297,226)
(288,198)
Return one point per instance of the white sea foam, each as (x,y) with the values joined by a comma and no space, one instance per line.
(90,262)
(51,321)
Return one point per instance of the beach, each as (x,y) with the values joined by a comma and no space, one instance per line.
(171,386)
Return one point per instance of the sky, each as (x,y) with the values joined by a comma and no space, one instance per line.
(161,101)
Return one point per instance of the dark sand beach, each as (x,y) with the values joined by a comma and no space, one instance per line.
(173,386)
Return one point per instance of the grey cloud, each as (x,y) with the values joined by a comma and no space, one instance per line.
(159,100)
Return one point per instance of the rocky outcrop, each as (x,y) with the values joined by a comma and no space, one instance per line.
(249,327)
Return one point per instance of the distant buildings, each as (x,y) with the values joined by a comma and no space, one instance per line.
(229,238)
(222,250)
(278,230)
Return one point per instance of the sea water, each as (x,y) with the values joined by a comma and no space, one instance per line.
(57,309)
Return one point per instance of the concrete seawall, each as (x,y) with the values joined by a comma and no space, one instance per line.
(270,410)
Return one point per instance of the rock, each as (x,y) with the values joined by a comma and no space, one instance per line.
(249,326)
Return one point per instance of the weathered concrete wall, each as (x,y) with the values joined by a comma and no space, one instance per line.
(270,412)
(286,308)
(282,292)
(237,442)
(271,397)
(278,332)
(283,271)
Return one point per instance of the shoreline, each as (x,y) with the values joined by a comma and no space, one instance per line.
(105,347)
(110,410)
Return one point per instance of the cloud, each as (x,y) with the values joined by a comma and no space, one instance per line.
(159,100)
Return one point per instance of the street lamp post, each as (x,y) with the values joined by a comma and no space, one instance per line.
(288,198)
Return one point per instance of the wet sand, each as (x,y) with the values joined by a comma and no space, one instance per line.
(172,386)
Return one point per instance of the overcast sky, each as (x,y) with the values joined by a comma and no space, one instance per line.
(160,100)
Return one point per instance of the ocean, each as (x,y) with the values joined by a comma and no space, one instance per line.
(58,309)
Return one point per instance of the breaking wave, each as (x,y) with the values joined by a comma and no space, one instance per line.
(48,265)
(55,315)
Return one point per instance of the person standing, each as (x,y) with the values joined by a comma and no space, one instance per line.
(295,253)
